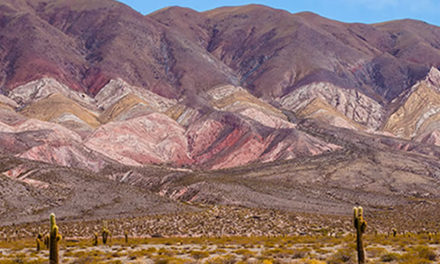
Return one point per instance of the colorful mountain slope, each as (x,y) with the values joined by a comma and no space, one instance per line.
(47,142)
(211,90)
(321,111)
(152,138)
(420,113)
(57,108)
(223,140)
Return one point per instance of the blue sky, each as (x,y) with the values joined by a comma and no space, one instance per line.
(365,11)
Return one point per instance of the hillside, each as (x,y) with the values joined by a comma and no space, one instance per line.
(249,106)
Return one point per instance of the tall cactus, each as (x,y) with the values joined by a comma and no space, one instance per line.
(95,239)
(360,225)
(54,238)
(105,233)
(38,241)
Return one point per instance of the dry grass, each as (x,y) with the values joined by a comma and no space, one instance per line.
(312,249)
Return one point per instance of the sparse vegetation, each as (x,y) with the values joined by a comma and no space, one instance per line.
(318,242)
(311,249)
(105,233)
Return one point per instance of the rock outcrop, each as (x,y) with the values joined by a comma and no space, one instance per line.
(419,115)
(351,103)
(152,138)
(48,142)
(223,140)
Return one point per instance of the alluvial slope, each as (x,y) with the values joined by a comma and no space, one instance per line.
(29,191)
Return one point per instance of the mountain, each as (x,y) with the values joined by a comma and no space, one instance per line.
(90,86)
(209,85)
(176,50)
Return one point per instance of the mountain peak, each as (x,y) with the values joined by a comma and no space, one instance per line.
(244,9)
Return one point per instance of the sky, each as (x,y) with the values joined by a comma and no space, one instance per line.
(364,11)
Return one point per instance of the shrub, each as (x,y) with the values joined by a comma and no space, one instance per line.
(343,255)
(199,254)
(388,257)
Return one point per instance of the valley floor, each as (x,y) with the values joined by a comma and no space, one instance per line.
(408,248)
(226,234)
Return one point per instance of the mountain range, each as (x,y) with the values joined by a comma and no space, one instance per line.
(92,85)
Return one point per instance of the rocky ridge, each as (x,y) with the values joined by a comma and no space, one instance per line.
(133,128)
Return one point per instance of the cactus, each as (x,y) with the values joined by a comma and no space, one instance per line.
(95,239)
(46,241)
(15,232)
(54,238)
(360,225)
(38,240)
(394,232)
(105,233)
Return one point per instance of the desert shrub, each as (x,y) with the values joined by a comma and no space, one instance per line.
(300,253)
(166,252)
(423,254)
(389,257)
(420,252)
(312,261)
(228,259)
(375,252)
(161,261)
(199,254)
(426,252)
(17,261)
(244,252)
(87,260)
(343,255)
